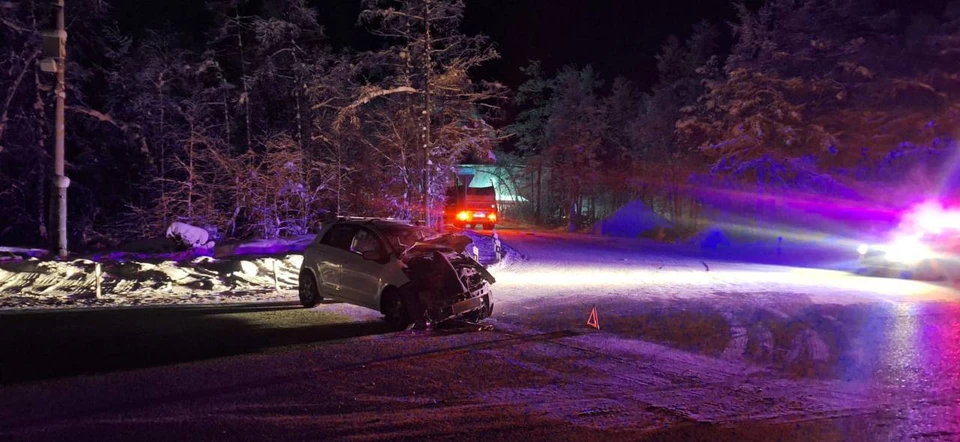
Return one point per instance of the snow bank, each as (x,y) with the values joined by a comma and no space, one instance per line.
(260,270)
(486,246)
(630,221)
(191,236)
(264,247)
(38,284)
(18,253)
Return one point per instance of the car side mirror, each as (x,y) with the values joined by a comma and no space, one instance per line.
(373,255)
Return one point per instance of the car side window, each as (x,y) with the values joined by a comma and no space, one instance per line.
(339,236)
(365,241)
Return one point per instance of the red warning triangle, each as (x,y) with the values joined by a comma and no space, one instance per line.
(593,320)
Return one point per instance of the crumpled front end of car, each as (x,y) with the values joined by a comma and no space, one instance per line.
(448,283)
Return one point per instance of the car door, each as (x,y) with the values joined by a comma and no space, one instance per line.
(361,278)
(332,252)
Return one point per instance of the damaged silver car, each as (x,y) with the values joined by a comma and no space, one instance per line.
(410,273)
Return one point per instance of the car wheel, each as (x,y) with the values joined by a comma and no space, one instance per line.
(308,290)
(396,311)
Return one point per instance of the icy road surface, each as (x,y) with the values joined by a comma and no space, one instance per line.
(690,347)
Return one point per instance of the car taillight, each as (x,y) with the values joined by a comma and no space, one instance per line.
(492,217)
(464,215)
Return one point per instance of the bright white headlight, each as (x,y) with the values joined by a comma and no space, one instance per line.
(907,251)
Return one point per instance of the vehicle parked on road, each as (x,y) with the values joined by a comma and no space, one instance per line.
(924,245)
(411,274)
(471,206)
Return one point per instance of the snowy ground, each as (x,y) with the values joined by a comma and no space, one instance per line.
(692,344)
(258,271)
(718,340)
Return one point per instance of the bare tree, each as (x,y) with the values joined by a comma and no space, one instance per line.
(430,55)
(230,39)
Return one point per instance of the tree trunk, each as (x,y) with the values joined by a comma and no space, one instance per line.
(190,174)
(226,115)
(43,216)
(536,205)
(339,174)
(41,197)
(428,218)
(304,152)
(163,150)
(243,79)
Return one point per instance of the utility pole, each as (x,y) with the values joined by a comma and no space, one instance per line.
(426,116)
(60,180)
(55,60)
(54,51)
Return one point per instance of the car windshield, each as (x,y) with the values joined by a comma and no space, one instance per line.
(401,237)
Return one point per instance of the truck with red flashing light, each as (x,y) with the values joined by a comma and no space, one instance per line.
(471,206)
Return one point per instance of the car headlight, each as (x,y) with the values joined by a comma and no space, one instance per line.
(907,251)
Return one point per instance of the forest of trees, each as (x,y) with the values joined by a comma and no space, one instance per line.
(265,128)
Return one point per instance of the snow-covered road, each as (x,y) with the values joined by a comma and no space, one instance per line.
(809,343)
(576,266)
(689,347)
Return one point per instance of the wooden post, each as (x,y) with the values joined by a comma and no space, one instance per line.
(276,279)
(98,274)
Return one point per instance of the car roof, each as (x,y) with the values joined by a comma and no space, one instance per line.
(377,222)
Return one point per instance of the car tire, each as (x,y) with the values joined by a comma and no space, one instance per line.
(308,290)
(396,310)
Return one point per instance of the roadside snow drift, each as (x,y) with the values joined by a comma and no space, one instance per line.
(34,283)
(256,271)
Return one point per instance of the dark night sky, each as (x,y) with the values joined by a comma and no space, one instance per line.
(617,37)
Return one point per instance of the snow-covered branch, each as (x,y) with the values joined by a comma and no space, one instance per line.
(369,94)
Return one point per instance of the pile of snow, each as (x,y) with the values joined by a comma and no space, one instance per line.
(261,270)
(630,221)
(253,271)
(191,236)
(486,244)
(264,247)
(712,238)
(36,284)
(18,253)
